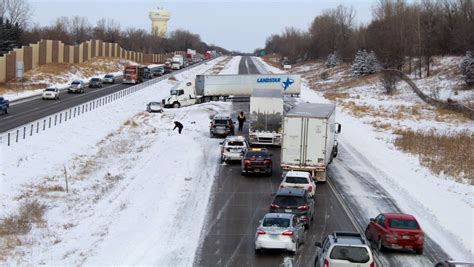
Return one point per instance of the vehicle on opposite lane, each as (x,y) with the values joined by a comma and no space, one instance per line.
(95,83)
(4,105)
(77,86)
(396,231)
(109,78)
(296,201)
(279,231)
(50,93)
(344,249)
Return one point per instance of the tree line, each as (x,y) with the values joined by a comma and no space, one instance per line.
(399,33)
(75,30)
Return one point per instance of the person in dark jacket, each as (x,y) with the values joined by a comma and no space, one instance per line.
(178,125)
(241,120)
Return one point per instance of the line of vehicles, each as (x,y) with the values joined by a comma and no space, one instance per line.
(307,134)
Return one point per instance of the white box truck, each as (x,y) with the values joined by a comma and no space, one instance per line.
(309,139)
(205,88)
(177,62)
(266,115)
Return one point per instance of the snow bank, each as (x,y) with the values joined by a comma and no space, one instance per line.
(444,208)
(138,191)
(232,67)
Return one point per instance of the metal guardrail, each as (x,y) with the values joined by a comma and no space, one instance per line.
(16,135)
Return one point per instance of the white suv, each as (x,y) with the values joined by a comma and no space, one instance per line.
(344,249)
(233,148)
(299,179)
(51,93)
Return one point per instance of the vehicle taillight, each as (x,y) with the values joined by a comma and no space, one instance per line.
(391,237)
(310,188)
(287,233)
(246,162)
(260,232)
(372,264)
(267,161)
(326,263)
(274,206)
(303,207)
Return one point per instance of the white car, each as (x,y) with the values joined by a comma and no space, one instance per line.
(279,231)
(299,179)
(344,249)
(109,78)
(233,148)
(51,93)
(154,107)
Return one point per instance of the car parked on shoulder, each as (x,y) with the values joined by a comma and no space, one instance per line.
(233,148)
(256,160)
(344,249)
(154,107)
(221,125)
(76,86)
(299,179)
(109,78)
(50,93)
(396,231)
(95,83)
(4,105)
(279,231)
(296,201)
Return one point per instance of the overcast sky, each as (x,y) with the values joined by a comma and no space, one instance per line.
(235,25)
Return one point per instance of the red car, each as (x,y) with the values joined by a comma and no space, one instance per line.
(395,231)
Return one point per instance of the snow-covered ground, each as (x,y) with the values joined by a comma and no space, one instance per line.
(444,208)
(138,191)
(232,67)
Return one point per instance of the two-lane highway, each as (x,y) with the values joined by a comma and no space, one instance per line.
(239,202)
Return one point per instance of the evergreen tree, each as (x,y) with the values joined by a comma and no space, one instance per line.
(467,67)
(333,60)
(10,36)
(364,63)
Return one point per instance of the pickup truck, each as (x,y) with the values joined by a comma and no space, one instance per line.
(4,105)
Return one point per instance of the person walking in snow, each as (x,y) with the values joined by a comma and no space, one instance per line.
(178,125)
(241,120)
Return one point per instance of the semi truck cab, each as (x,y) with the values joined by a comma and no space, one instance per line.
(181,95)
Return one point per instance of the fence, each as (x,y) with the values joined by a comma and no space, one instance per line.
(14,136)
(54,51)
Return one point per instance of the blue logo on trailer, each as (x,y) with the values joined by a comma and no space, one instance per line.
(287,83)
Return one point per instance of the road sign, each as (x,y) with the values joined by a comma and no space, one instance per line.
(20,68)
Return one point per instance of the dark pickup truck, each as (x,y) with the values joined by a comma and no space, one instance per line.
(4,105)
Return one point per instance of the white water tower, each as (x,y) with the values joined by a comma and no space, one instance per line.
(159,21)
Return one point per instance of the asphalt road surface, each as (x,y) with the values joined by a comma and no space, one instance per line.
(24,111)
(239,202)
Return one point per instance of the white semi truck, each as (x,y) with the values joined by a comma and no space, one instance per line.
(177,62)
(205,88)
(266,115)
(310,139)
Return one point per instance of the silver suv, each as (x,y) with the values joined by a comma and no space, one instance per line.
(221,126)
(343,249)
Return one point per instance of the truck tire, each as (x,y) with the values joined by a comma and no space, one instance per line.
(176,105)
(6,111)
(207,99)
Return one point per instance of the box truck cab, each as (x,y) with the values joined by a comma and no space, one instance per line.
(181,95)
(309,139)
(177,62)
(266,114)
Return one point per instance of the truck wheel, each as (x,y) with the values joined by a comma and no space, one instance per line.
(176,105)
(207,99)
(215,98)
(6,111)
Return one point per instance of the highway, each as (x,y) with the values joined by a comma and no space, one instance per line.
(238,203)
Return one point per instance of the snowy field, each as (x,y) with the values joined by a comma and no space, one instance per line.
(443,207)
(137,191)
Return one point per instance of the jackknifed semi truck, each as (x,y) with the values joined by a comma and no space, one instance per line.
(309,140)
(205,88)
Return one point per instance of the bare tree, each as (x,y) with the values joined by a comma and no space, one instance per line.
(16,11)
